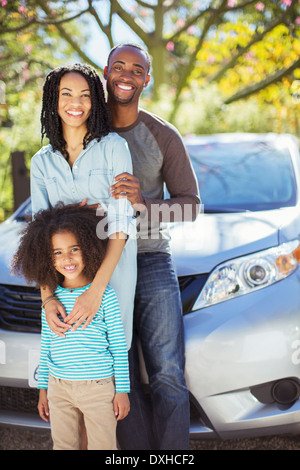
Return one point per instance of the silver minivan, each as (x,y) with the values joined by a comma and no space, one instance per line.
(238,271)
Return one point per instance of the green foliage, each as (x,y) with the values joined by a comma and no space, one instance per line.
(202,111)
(28,51)
(218,65)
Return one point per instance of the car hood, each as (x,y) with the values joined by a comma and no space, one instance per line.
(199,246)
(10,232)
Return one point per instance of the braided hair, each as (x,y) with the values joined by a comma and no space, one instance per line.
(34,257)
(98,123)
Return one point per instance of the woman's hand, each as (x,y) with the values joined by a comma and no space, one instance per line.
(85,308)
(43,406)
(87,304)
(53,309)
(121,405)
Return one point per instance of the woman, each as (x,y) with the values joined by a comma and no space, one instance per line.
(80,164)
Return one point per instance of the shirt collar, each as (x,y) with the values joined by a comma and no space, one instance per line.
(90,144)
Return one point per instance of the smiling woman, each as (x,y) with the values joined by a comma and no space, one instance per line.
(79,166)
(96,121)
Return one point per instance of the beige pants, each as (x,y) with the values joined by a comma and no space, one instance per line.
(69,400)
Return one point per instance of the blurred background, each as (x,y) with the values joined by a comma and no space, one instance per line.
(217,66)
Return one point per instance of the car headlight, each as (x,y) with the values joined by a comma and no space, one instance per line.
(243,275)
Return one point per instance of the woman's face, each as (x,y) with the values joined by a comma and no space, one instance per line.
(74,101)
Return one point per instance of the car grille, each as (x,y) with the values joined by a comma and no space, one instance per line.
(19,399)
(20,308)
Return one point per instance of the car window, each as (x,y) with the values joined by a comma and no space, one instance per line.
(243,176)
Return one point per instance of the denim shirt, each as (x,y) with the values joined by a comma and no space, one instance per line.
(53,180)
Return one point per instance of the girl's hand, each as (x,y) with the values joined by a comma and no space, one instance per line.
(43,406)
(85,308)
(53,308)
(121,405)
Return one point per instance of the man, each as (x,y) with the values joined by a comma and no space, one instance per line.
(159,157)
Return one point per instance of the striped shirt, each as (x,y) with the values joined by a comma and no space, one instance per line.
(96,352)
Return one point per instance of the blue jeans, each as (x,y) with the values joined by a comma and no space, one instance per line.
(159,327)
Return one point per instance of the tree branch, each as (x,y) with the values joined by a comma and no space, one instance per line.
(145,5)
(188,69)
(116,8)
(106,29)
(68,38)
(42,21)
(190,22)
(256,38)
(251,89)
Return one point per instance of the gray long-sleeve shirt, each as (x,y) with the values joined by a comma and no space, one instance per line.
(159,157)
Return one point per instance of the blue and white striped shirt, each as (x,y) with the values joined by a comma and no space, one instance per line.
(96,352)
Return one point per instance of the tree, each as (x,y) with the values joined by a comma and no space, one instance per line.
(28,49)
(232,63)
(176,33)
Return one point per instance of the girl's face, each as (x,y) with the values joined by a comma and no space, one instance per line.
(68,260)
(74,100)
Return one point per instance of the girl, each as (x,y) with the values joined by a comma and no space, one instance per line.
(60,248)
(80,164)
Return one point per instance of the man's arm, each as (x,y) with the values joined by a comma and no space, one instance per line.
(183,203)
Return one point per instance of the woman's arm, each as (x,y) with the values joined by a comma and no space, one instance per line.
(40,201)
(121,225)
(88,303)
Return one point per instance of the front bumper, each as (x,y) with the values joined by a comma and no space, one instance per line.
(231,347)
(239,344)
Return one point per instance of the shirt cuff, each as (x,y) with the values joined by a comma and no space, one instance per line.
(122,224)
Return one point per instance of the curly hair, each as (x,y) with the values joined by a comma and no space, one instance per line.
(98,123)
(34,258)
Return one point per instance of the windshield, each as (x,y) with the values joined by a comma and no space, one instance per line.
(242,176)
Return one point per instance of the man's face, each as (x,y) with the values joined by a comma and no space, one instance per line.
(126,75)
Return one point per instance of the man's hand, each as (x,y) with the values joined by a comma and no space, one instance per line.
(85,308)
(128,186)
(121,405)
(53,309)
